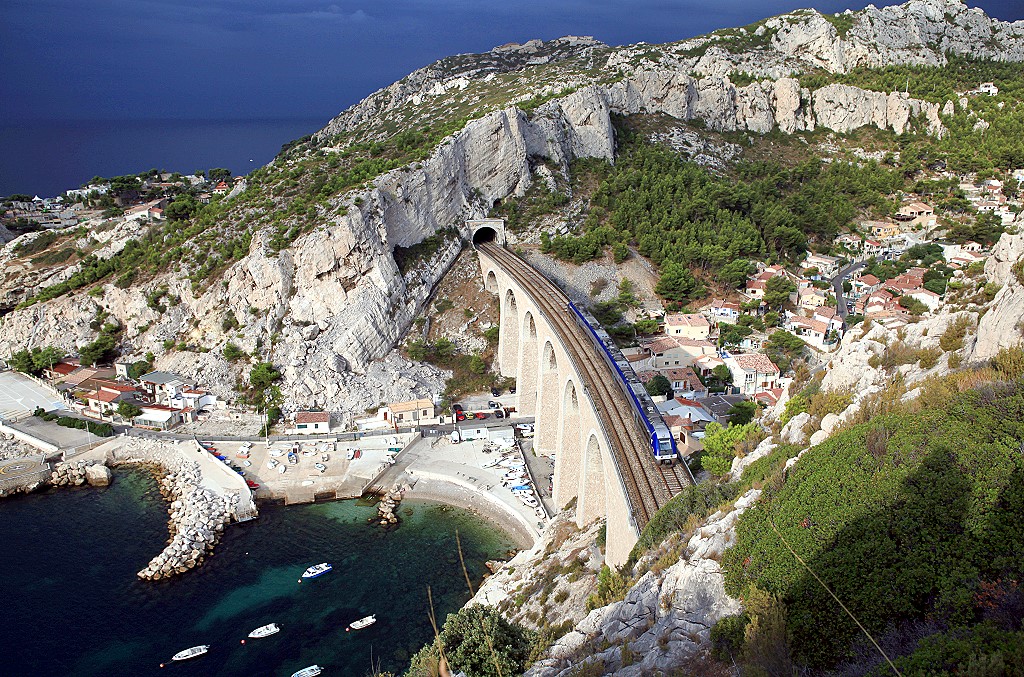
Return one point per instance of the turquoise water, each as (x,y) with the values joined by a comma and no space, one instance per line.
(73,606)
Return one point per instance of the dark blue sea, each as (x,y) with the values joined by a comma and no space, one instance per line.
(73,606)
(47,157)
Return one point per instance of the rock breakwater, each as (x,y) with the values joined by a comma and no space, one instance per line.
(386,516)
(197,520)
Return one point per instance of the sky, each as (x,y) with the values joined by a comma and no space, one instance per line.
(257,59)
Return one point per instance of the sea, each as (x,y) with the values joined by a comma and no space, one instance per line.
(47,157)
(73,606)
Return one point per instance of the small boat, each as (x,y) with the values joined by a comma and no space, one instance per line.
(281,469)
(293,458)
(320,466)
(272,463)
(311,671)
(325,458)
(251,484)
(276,453)
(247,464)
(265,631)
(530,501)
(523,487)
(362,623)
(316,570)
(193,652)
(307,483)
(350,454)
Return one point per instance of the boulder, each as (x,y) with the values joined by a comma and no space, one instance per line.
(793,431)
(98,475)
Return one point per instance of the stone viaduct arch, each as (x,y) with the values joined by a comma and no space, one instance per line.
(550,389)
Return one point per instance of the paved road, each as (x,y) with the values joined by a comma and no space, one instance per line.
(837,286)
(20,395)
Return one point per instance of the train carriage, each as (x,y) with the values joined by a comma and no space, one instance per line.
(663,445)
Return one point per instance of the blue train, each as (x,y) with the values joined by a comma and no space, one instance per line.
(663,445)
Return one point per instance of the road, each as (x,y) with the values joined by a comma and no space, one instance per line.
(837,286)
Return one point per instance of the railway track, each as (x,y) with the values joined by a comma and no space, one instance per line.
(648,485)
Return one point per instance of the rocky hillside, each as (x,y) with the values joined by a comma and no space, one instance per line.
(322,264)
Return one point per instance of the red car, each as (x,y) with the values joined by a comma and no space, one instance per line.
(459,416)
(481,414)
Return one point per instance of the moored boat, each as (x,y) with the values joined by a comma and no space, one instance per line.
(192,652)
(311,671)
(364,622)
(265,631)
(316,570)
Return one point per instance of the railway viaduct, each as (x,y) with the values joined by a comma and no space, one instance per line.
(602,456)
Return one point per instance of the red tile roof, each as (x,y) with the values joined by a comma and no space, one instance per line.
(312,417)
(756,362)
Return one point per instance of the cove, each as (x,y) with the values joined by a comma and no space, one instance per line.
(73,605)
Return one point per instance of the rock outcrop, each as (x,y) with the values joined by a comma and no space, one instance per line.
(665,618)
(1003,325)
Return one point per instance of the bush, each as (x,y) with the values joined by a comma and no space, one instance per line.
(480,642)
(233,352)
(953,338)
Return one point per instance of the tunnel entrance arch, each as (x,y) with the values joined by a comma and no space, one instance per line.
(487,230)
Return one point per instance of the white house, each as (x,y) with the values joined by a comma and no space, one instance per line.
(752,372)
(312,422)
(929,298)
(827,265)
(688,325)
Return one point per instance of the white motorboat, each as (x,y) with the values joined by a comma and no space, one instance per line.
(350,454)
(321,467)
(247,464)
(193,652)
(272,464)
(311,671)
(317,570)
(281,468)
(364,622)
(308,483)
(277,453)
(265,631)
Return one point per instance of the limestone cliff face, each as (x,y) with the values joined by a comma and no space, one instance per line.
(1003,325)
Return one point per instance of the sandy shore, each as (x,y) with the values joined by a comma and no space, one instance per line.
(427,489)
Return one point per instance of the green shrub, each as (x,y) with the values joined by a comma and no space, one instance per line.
(953,338)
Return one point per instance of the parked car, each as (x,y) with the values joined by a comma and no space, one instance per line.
(481,414)
(456,407)
(493,405)
(512,390)
(498,413)
(459,416)
(495,392)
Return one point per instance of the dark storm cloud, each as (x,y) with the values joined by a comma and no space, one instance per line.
(259,58)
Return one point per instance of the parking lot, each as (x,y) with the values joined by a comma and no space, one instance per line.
(20,395)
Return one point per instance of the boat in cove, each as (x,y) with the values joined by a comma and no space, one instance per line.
(364,622)
(316,570)
(192,652)
(265,631)
(311,671)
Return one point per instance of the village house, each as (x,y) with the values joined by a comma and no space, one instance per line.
(864,284)
(105,397)
(686,420)
(752,372)
(987,88)
(810,297)
(411,412)
(881,229)
(160,417)
(60,370)
(312,422)
(915,214)
(165,388)
(811,331)
(850,241)
(221,188)
(827,265)
(685,383)
(688,325)
(832,319)
(723,311)
(927,297)
(706,364)
(671,351)
(873,248)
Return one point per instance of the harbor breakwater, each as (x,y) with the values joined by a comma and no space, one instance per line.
(197,511)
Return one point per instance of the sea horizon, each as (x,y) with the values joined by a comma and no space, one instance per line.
(46,157)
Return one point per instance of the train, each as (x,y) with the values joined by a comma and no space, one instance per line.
(663,445)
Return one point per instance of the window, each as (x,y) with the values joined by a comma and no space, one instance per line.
(301,426)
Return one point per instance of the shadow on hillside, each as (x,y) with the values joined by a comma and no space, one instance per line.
(934,560)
